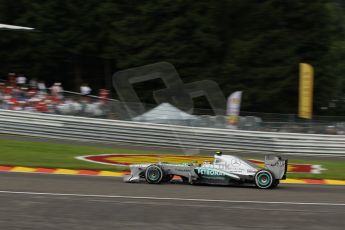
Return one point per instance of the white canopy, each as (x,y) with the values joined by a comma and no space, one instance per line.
(12,27)
(164,111)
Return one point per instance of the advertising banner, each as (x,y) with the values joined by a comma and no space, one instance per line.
(233,109)
(306,81)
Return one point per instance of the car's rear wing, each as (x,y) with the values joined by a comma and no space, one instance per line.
(277,166)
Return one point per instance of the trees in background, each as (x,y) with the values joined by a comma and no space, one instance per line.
(253,46)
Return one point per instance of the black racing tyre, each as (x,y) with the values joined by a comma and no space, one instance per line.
(264,179)
(154,174)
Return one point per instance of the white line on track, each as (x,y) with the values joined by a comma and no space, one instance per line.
(171,198)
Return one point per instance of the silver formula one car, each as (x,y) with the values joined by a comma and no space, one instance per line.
(224,170)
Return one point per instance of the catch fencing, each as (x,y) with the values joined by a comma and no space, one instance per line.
(138,133)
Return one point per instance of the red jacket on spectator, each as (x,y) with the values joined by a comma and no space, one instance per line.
(103,94)
(41,107)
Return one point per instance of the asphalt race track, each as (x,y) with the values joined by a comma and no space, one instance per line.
(39,201)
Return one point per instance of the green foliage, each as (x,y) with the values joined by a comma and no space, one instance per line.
(253,46)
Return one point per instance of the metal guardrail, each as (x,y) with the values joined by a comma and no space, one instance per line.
(103,130)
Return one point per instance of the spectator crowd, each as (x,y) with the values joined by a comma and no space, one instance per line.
(17,93)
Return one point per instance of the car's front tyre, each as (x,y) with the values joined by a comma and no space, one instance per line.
(264,179)
(154,174)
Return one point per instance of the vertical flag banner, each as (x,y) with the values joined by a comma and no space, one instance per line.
(306,84)
(233,109)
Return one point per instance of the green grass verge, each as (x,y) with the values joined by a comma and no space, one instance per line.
(52,155)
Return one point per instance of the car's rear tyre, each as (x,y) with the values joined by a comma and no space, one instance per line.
(154,174)
(264,179)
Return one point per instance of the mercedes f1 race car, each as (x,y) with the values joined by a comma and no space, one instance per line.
(224,170)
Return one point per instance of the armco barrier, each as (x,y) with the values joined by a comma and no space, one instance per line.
(102,130)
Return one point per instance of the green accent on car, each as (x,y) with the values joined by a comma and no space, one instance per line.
(153,174)
(209,172)
(268,179)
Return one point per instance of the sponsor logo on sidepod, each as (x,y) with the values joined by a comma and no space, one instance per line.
(209,172)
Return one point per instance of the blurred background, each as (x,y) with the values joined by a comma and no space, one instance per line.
(88,59)
(252,46)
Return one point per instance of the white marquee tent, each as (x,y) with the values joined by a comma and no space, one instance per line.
(167,114)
